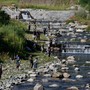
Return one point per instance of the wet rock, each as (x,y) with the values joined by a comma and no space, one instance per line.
(87,86)
(54,85)
(47,75)
(44,80)
(38,86)
(88,72)
(30,72)
(63,61)
(33,75)
(46,70)
(79,76)
(73,88)
(64,68)
(70,61)
(69,80)
(57,75)
(66,75)
(51,67)
(30,80)
(77,69)
(87,62)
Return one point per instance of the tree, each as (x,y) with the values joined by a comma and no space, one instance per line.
(4,18)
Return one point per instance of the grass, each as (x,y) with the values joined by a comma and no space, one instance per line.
(46,7)
(8,2)
(30,37)
(42,57)
(35,6)
(80,20)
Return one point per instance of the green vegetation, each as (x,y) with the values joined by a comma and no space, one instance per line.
(4,18)
(85,3)
(44,4)
(46,7)
(88,29)
(42,57)
(8,2)
(12,35)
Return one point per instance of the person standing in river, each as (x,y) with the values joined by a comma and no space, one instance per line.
(31,61)
(17,58)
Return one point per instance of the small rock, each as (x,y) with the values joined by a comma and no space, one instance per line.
(30,80)
(73,88)
(38,86)
(44,80)
(77,69)
(47,75)
(33,75)
(79,76)
(54,85)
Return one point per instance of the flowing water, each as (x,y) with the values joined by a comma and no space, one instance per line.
(83,62)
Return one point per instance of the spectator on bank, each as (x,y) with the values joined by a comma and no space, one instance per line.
(42,48)
(49,51)
(44,31)
(29,27)
(31,61)
(35,63)
(0,70)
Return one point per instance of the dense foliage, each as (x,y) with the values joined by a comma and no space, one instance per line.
(12,37)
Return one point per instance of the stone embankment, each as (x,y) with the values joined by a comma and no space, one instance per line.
(40,14)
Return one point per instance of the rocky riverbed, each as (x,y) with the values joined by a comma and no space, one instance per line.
(65,74)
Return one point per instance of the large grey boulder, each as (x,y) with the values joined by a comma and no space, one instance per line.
(38,86)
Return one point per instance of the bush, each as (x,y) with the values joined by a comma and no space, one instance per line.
(4,18)
(68,21)
(88,29)
(81,13)
(12,37)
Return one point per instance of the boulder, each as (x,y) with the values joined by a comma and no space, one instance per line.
(33,75)
(77,69)
(38,86)
(54,85)
(73,88)
(44,80)
(79,76)
(57,75)
(66,75)
(70,61)
(47,75)
(30,80)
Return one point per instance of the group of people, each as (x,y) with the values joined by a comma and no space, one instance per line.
(33,63)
